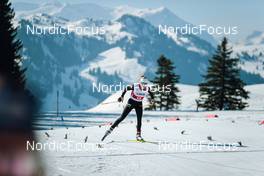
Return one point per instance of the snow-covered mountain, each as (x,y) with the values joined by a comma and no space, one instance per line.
(251,52)
(158,16)
(64,10)
(129,47)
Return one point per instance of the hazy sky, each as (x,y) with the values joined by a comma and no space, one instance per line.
(246,14)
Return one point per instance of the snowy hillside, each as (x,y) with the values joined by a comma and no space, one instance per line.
(114,61)
(110,105)
(188,95)
(251,53)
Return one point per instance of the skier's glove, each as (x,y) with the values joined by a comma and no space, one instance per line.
(120,99)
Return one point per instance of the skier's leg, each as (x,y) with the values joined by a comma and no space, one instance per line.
(139,112)
(125,112)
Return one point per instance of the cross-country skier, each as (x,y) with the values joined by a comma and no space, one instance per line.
(138,92)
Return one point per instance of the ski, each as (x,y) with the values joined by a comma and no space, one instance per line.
(143,141)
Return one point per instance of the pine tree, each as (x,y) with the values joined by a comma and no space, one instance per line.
(10,58)
(165,81)
(223,88)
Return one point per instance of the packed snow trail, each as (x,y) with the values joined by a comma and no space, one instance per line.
(117,155)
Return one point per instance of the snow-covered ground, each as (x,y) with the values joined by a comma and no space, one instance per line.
(199,143)
(188,94)
(178,142)
(188,154)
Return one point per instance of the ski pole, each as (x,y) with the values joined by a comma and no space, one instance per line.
(109,102)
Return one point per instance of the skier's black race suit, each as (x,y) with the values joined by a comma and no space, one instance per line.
(134,102)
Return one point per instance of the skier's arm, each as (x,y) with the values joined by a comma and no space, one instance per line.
(130,87)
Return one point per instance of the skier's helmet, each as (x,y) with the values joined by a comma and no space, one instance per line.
(143,80)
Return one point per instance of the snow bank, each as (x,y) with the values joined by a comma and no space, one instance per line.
(188,95)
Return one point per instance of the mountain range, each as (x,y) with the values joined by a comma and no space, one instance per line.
(130,46)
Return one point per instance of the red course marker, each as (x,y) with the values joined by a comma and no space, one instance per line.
(172,119)
(261,122)
(212,116)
